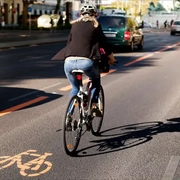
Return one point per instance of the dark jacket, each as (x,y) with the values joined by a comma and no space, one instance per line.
(84,41)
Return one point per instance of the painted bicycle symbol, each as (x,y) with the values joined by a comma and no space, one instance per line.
(35,167)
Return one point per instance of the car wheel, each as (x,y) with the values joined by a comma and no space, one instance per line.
(172,33)
(140,46)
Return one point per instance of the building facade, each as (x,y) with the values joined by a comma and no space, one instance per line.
(11,10)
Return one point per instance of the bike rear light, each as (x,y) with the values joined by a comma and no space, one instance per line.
(79,77)
(127,35)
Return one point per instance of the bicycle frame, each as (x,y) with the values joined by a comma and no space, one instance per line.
(82,95)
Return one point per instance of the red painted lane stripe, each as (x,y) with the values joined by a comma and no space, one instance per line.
(138,59)
(20,106)
(149,55)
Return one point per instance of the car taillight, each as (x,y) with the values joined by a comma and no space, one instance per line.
(127,35)
(173,26)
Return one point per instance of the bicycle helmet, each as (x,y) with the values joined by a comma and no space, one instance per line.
(88,9)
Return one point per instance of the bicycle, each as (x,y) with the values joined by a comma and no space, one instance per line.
(81,106)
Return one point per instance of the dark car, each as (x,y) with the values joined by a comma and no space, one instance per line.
(122,30)
(175,28)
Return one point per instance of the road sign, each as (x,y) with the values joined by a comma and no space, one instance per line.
(29,9)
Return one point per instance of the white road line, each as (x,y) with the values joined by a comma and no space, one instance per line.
(32,57)
(34,92)
(171,168)
(53,85)
(22,96)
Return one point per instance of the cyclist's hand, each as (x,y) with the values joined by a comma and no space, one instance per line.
(113,61)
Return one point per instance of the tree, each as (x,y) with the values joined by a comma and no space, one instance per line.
(57,7)
(159,7)
(151,6)
(177,5)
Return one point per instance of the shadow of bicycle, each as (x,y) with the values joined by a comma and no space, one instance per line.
(124,137)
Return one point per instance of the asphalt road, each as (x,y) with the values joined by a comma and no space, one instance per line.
(140,134)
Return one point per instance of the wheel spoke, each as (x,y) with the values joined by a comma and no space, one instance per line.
(72,129)
(97,121)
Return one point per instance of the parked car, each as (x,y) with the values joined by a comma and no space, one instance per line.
(147,27)
(122,30)
(44,20)
(175,28)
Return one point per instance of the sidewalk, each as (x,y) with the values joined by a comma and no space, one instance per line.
(20,38)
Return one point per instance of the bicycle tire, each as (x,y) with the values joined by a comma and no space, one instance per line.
(96,130)
(70,149)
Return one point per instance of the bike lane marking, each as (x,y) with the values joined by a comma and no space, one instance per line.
(66,88)
(22,105)
(139,59)
(30,168)
(151,54)
(171,168)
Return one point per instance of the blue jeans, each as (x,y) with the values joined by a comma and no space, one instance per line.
(90,68)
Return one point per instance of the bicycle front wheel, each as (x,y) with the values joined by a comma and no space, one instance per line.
(72,126)
(97,121)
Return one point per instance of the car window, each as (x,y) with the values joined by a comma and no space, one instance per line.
(106,21)
(177,23)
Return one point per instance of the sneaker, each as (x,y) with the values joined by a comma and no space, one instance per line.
(95,112)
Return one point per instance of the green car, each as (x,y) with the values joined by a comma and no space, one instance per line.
(122,30)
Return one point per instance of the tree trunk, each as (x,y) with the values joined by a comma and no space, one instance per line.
(26,3)
(57,7)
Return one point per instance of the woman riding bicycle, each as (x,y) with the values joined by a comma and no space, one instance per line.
(83,48)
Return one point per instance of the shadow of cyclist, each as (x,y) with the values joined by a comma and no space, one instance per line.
(123,137)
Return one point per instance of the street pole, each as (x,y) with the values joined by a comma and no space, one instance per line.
(29,13)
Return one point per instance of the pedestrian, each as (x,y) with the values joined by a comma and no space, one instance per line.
(64,17)
(52,25)
(157,24)
(172,21)
(60,22)
(142,24)
(2,22)
(165,24)
(83,51)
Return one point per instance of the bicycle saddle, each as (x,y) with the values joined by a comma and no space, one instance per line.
(77,71)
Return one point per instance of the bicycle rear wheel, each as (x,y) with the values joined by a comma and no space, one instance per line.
(97,121)
(72,126)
